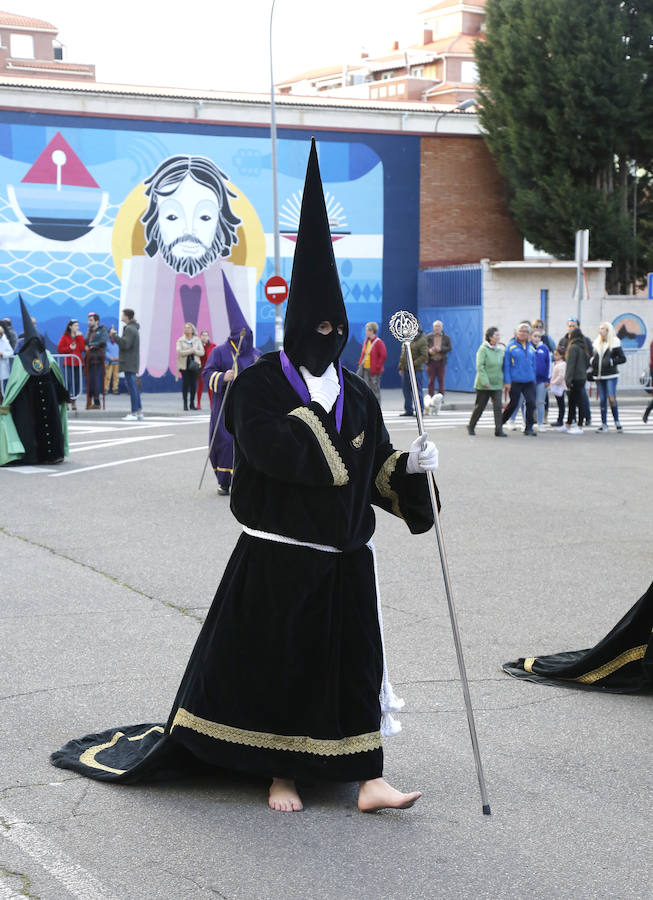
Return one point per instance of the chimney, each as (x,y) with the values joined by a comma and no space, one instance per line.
(364,54)
(428,36)
(395,45)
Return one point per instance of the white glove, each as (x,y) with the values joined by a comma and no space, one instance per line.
(422,456)
(324,389)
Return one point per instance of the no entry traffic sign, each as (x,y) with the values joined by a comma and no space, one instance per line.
(276,289)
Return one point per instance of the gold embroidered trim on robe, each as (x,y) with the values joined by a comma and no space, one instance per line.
(358,743)
(213,381)
(357,442)
(528,664)
(603,671)
(382,482)
(88,756)
(333,458)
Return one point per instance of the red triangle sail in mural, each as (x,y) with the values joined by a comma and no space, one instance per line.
(59,157)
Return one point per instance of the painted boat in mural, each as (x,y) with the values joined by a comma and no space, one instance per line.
(58,198)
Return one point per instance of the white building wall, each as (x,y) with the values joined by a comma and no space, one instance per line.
(511,293)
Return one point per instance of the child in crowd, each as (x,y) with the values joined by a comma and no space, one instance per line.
(558,384)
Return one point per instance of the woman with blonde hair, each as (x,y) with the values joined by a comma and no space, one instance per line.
(189,350)
(607,355)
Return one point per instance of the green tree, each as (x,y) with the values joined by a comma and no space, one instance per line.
(567,107)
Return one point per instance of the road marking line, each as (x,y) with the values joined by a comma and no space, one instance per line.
(115,442)
(78,881)
(122,462)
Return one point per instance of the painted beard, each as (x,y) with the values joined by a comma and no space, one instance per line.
(189,265)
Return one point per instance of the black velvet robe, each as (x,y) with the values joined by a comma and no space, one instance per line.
(37,418)
(285,676)
(621,663)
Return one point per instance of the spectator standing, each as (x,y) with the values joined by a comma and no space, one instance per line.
(558,385)
(96,342)
(111,363)
(6,353)
(489,381)
(584,413)
(9,331)
(373,356)
(519,375)
(189,352)
(71,343)
(129,361)
(607,355)
(208,345)
(542,375)
(419,352)
(576,358)
(439,347)
(649,408)
(538,325)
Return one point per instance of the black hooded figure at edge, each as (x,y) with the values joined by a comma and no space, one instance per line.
(288,679)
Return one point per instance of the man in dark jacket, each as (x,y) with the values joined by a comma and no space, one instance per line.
(129,361)
(419,352)
(96,344)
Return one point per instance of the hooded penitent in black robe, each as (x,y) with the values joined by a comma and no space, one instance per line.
(287,678)
(36,402)
(621,663)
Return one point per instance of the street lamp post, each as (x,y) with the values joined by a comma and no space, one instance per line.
(278,322)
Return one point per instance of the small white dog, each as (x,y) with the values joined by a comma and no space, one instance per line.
(432,404)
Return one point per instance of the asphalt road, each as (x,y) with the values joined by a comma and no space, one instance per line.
(111,560)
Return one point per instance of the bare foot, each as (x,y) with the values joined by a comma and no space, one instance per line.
(378,794)
(284,796)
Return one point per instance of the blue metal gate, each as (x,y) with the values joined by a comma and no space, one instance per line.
(455,296)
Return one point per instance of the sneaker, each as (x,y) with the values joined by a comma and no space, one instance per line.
(514,427)
(619,427)
(602,429)
(140,416)
(407,414)
(574,429)
(561,428)
(223,492)
(470,430)
(529,432)
(130,417)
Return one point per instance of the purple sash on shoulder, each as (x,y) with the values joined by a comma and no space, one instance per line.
(299,386)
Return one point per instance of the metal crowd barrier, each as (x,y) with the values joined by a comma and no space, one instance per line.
(72,370)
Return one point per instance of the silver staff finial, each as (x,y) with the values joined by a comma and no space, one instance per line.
(404,326)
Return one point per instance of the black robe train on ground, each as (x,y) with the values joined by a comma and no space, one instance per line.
(285,676)
(621,663)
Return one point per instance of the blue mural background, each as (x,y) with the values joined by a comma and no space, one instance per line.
(374,177)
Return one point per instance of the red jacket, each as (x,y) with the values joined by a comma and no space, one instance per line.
(65,345)
(378,355)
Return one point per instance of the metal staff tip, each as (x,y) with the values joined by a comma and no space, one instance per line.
(404,326)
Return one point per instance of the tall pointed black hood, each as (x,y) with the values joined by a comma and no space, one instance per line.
(32,353)
(315,295)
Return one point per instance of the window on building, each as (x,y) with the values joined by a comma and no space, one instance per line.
(469,72)
(385,76)
(417,71)
(392,90)
(21,46)
(401,89)
(383,92)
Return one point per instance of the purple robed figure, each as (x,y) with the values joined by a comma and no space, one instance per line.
(220,361)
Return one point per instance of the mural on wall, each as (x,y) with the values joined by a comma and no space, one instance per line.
(102,218)
(631,331)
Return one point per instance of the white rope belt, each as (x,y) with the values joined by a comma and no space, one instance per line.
(390,703)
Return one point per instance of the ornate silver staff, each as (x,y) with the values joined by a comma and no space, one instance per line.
(404,327)
(224,399)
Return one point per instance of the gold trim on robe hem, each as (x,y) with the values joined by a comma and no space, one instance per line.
(333,458)
(222,469)
(88,756)
(213,381)
(358,743)
(528,664)
(382,482)
(623,659)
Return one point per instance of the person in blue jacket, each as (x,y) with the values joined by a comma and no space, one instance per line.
(542,374)
(519,375)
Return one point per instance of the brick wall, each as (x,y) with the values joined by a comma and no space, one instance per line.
(463,213)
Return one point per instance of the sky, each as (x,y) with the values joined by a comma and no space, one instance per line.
(222,45)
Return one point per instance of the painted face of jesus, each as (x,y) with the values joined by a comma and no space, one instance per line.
(188,220)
